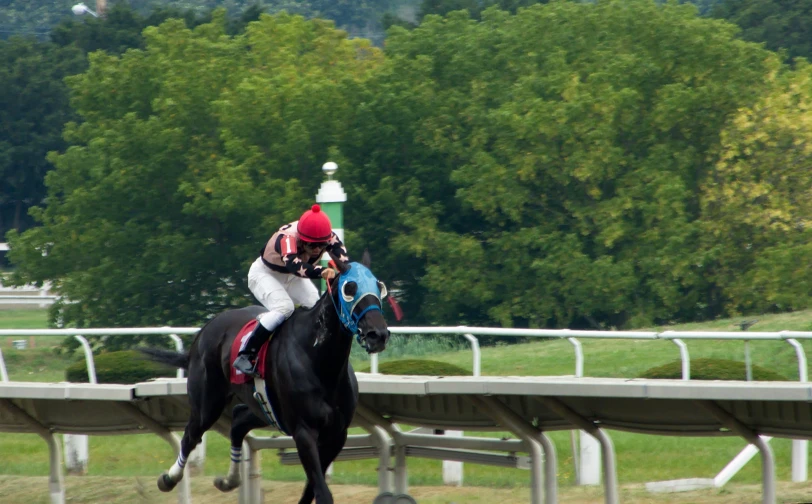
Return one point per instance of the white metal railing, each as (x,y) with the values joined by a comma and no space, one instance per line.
(41,301)
(79,334)
(678,338)
(27,294)
(586,470)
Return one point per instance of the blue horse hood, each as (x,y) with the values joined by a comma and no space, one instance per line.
(367,286)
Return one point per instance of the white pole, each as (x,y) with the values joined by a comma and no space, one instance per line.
(735,465)
(588,462)
(452,470)
(77,452)
(590,472)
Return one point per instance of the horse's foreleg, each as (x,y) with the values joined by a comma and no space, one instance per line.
(329,448)
(310,456)
(243,421)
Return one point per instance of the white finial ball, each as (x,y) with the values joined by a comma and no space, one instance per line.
(79,9)
(329,167)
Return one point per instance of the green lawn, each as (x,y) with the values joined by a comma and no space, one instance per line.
(23,319)
(641,458)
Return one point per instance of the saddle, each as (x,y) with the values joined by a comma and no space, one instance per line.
(238,377)
(268,402)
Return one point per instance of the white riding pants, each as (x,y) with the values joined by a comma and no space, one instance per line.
(279,292)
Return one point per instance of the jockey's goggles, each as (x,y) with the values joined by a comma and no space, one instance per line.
(314,245)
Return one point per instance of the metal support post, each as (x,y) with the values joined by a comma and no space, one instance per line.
(607,448)
(250,474)
(507,418)
(800,447)
(383,444)
(56,486)
(401,478)
(184,490)
(767,458)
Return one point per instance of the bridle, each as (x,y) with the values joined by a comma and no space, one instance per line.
(367,285)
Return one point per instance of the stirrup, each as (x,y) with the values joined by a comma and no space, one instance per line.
(243,364)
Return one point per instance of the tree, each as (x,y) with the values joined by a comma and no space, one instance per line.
(190,154)
(756,205)
(36,105)
(33,110)
(544,168)
(782,25)
(474,7)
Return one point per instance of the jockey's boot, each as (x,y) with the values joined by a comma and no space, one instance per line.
(246,359)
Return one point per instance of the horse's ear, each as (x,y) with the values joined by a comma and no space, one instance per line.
(341,266)
(365,259)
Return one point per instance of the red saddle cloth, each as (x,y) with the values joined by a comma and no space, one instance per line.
(238,377)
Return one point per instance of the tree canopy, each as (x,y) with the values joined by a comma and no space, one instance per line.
(618,163)
(757,203)
(33,110)
(573,138)
(189,152)
(782,25)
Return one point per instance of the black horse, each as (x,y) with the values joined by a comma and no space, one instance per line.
(307,371)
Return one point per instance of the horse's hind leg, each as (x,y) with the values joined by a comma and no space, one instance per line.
(207,405)
(243,421)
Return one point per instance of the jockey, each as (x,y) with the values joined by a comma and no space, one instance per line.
(280,277)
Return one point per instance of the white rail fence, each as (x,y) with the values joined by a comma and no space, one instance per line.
(27,295)
(586,459)
(76,446)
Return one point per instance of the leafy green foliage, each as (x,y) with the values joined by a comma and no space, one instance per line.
(127,366)
(191,153)
(419,367)
(33,110)
(474,7)
(781,25)
(573,138)
(35,106)
(713,369)
(361,18)
(572,165)
(756,205)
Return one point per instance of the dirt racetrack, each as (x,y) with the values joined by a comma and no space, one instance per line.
(142,490)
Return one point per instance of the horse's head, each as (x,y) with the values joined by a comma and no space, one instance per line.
(359,303)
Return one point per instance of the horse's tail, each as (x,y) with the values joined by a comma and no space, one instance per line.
(173,359)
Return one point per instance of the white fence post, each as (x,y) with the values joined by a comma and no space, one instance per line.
(590,470)
(452,470)
(76,445)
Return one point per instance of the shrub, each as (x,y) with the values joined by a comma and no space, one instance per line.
(127,366)
(419,367)
(713,369)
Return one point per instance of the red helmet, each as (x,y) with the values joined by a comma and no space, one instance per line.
(314,226)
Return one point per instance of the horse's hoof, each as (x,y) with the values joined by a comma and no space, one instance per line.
(223,485)
(165,483)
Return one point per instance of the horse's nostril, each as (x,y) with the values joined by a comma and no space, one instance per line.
(378,336)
